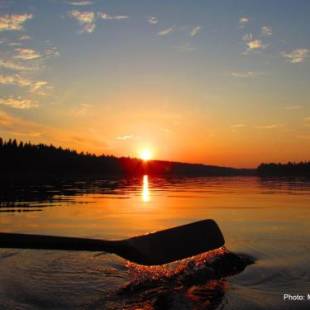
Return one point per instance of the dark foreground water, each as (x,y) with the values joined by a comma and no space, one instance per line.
(267,219)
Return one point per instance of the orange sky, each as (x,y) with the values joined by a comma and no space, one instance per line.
(192,82)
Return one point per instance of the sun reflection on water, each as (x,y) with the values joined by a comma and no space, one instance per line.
(145,189)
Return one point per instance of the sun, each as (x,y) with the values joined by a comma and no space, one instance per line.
(145,154)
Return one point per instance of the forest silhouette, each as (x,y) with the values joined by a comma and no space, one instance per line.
(26,160)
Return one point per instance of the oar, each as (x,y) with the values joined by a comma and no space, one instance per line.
(151,249)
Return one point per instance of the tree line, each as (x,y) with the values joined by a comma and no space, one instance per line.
(288,169)
(27,160)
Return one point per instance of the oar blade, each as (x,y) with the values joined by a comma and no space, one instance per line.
(176,243)
(152,249)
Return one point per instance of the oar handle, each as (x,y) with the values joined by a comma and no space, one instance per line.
(42,242)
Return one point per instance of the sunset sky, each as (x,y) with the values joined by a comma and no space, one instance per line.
(217,82)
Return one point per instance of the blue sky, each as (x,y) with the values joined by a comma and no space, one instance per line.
(223,82)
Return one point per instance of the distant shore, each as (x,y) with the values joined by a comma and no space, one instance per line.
(19,160)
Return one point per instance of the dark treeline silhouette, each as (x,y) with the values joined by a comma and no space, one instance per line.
(288,169)
(26,160)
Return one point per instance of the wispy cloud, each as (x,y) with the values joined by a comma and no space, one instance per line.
(85,18)
(37,87)
(11,65)
(255,44)
(303,137)
(13,21)
(51,51)
(252,43)
(126,137)
(106,16)
(243,20)
(293,107)
(166,31)
(239,125)
(82,109)
(195,31)
(296,56)
(26,54)
(185,48)
(248,74)
(307,119)
(14,124)
(18,103)
(26,59)
(14,44)
(24,37)
(269,126)
(266,31)
(80,2)
(152,20)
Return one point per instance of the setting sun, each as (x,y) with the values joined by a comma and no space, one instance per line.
(146,154)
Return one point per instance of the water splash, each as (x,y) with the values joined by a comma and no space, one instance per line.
(188,284)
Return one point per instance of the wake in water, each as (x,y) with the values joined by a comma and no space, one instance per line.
(194,283)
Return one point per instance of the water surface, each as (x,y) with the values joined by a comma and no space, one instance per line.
(264,218)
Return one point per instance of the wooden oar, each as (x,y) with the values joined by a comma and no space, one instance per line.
(151,249)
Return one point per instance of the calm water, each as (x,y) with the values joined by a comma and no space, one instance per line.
(265,218)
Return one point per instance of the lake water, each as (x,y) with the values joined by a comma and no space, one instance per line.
(264,218)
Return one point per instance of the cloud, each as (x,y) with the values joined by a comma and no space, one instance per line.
(152,20)
(26,54)
(14,44)
(266,31)
(296,56)
(82,109)
(14,80)
(166,31)
(269,126)
(293,107)
(248,74)
(252,43)
(13,21)
(106,16)
(80,2)
(18,103)
(17,126)
(235,126)
(37,87)
(195,31)
(85,18)
(24,37)
(185,48)
(11,65)
(303,137)
(51,51)
(307,119)
(247,37)
(255,44)
(126,137)
(5,119)
(13,126)
(243,21)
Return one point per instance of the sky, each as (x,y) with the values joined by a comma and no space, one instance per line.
(215,82)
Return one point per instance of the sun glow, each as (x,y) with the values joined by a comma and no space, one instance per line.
(145,154)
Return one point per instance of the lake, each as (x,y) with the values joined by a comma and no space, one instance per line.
(267,219)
